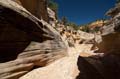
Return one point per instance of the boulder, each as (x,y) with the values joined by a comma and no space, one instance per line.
(25,41)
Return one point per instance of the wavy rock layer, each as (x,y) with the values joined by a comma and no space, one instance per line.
(25,41)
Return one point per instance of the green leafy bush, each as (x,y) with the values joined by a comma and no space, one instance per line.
(64,20)
(118,1)
(73,25)
(53,5)
(85,28)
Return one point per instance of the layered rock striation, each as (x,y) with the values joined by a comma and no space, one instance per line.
(26,42)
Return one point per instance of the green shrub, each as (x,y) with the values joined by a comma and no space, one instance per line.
(85,28)
(73,25)
(53,5)
(118,1)
(64,20)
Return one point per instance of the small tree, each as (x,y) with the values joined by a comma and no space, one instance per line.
(53,5)
(73,25)
(85,28)
(118,1)
(64,20)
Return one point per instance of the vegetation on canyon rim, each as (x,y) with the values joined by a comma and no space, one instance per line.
(65,21)
(53,5)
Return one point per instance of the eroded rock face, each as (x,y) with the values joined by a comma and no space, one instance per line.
(52,17)
(104,66)
(17,1)
(36,7)
(111,33)
(110,43)
(25,41)
(99,67)
(114,11)
(64,68)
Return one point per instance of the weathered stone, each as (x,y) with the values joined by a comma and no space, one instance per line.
(25,41)
(111,34)
(114,11)
(99,67)
(36,7)
(110,43)
(64,68)
(52,17)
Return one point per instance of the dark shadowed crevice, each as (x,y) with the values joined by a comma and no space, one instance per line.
(110,67)
(87,71)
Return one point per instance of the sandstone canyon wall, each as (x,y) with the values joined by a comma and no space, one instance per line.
(26,42)
(36,7)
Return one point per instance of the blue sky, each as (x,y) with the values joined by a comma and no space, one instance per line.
(84,11)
